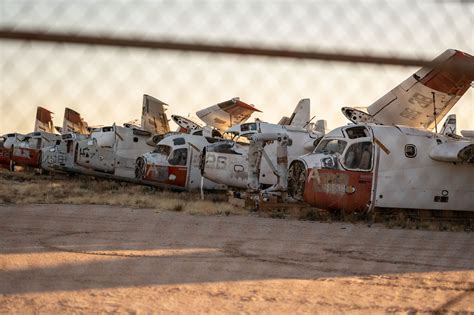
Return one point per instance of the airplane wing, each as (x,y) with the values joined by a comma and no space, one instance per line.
(44,120)
(73,122)
(411,103)
(226,114)
(154,118)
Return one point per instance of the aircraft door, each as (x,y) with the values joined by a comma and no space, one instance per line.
(177,169)
(349,186)
(193,179)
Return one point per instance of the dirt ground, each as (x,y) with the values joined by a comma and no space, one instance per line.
(96,259)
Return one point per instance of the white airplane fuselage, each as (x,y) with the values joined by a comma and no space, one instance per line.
(175,163)
(361,167)
(227,162)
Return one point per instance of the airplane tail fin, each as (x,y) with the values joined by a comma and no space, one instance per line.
(44,120)
(300,116)
(154,118)
(449,126)
(321,126)
(73,122)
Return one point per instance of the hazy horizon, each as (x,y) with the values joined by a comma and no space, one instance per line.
(106,84)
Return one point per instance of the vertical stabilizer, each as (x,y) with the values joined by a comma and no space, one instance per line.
(449,126)
(154,118)
(301,114)
(44,120)
(73,122)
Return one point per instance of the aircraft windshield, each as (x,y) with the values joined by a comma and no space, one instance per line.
(331,146)
(179,157)
(359,156)
(248,127)
(162,149)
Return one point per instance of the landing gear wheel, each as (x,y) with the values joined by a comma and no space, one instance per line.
(296,180)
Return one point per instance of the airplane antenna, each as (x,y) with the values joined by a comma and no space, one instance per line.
(434,112)
(309,121)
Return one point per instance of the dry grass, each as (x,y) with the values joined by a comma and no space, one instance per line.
(30,188)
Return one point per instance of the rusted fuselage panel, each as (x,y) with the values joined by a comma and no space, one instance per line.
(5,157)
(333,189)
(27,157)
(170,175)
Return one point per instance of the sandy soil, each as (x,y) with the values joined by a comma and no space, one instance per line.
(96,259)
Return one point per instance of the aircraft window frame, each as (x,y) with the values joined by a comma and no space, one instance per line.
(356,132)
(179,141)
(410,150)
(322,145)
(107,129)
(248,127)
(358,159)
(177,158)
(163,150)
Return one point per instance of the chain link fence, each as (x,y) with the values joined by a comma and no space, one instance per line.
(106,83)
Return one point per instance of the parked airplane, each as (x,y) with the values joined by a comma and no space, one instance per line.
(176,160)
(6,148)
(110,149)
(175,163)
(385,161)
(25,150)
(228,162)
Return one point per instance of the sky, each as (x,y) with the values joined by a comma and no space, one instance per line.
(106,84)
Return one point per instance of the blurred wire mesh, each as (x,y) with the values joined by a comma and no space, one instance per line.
(105,84)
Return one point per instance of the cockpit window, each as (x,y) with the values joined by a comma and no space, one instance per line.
(179,141)
(179,157)
(107,129)
(248,127)
(359,156)
(162,149)
(331,146)
(357,132)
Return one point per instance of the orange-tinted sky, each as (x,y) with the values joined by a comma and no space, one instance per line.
(106,84)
